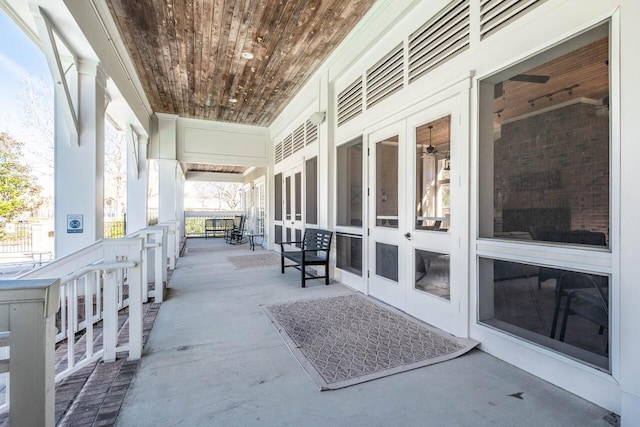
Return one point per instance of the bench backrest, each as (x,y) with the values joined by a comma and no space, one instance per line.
(317,239)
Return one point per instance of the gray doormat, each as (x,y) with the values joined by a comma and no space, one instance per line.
(346,340)
(264,259)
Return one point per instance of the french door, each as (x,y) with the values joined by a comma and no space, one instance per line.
(387,215)
(292,200)
(417,216)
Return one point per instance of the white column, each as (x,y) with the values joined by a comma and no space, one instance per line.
(163,148)
(181,179)
(137,179)
(629,319)
(79,165)
(326,155)
(167,190)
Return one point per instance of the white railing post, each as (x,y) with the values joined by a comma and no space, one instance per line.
(171,244)
(134,278)
(155,241)
(118,250)
(27,311)
(109,307)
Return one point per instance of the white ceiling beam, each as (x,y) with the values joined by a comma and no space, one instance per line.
(214,177)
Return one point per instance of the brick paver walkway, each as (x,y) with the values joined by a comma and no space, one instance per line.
(93,395)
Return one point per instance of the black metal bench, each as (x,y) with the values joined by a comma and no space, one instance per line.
(214,226)
(312,250)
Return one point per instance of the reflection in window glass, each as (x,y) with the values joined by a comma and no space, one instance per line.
(562,310)
(545,146)
(433,167)
(432,273)
(349,253)
(387,183)
(349,188)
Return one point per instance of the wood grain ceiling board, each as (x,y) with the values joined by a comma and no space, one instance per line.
(202,167)
(188,53)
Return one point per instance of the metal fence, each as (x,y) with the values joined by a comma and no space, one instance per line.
(16,238)
(194,221)
(115,229)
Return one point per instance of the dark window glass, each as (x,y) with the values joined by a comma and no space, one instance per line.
(387,261)
(544,165)
(349,253)
(432,273)
(563,310)
(278,197)
(311,194)
(349,183)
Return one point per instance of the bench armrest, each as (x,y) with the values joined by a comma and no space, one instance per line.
(286,243)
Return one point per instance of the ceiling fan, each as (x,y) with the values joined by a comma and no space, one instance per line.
(430,150)
(498,91)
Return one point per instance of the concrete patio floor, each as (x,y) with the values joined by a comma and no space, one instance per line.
(214,359)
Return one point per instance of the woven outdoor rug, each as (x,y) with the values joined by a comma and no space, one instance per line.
(346,340)
(265,259)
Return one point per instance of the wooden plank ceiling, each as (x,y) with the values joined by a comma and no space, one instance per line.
(189,53)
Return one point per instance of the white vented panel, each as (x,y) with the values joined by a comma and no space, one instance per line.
(350,102)
(312,132)
(497,14)
(277,156)
(298,138)
(386,76)
(286,147)
(440,39)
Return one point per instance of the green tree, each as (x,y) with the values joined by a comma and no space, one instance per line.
(19,192)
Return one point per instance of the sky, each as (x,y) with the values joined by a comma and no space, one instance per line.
(19,57)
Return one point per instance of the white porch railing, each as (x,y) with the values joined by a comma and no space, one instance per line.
(27,317)
(154,256)
(95,284)
(173,242)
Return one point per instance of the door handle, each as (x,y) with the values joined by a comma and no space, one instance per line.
(407,235)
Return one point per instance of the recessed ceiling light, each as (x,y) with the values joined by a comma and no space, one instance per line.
(233,100)
(247,55)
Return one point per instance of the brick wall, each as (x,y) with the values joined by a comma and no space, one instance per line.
(555,160)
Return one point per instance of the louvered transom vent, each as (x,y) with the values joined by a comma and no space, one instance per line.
(287,146)
(350,102)
(497,14)
(277,155)
(440,39)
(298,138)
(386,76)
(312,132)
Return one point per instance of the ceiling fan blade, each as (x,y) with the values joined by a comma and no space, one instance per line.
(530,78)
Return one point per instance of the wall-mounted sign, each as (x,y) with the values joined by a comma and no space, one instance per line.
(74,223)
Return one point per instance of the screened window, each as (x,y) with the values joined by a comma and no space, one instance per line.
(545,177)
(433,167)
(545,167)
(311,187)
(349,184)
(349,250)
(563,310)
(278,197)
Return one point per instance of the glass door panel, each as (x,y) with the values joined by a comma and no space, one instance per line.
(387,182)
(437,262)
(387,206)
(293,204)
